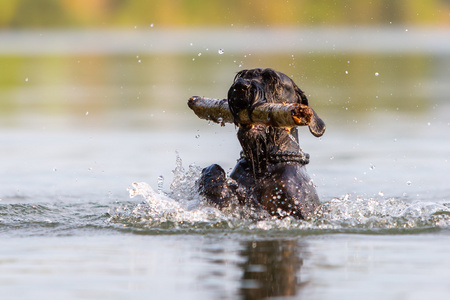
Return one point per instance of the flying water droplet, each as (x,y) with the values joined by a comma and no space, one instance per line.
(220,51)
(376,74)
(160,184)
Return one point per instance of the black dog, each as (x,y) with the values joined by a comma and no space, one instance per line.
(271,170)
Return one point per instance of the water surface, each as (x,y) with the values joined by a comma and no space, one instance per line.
(100,154)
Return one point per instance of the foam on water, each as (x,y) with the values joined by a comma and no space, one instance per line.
(182,209)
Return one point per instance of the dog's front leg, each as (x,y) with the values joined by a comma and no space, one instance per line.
(212,185)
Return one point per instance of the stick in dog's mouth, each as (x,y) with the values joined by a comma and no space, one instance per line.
(283,115)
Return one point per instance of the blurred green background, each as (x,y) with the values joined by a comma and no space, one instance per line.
(126,13)
(71,59)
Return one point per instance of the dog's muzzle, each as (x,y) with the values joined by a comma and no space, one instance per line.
(242,95)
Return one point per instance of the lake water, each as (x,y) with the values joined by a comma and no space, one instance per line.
(100,153)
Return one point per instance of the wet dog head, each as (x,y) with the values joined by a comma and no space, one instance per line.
(256,86)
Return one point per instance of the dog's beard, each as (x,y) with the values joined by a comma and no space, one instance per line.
(253,141)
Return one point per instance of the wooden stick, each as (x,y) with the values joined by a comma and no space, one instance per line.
(271,114)
(211,109)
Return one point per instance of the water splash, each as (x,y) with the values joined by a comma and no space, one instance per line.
(182,209)
(183,183)
(370,214)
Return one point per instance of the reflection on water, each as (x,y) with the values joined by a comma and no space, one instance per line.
(271,268)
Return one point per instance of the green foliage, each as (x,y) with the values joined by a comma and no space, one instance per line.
(169,13)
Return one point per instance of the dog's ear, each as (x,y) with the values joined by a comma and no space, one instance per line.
(317,125)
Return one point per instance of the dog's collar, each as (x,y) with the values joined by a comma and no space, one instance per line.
(280,157)
(297,157)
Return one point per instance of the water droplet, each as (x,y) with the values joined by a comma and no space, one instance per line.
(87,113)
(26,79)
(220,51)
(429,123)
(151,25)
(191,44)
(139,61)
(372,167)
(160,184)
(199,54)
(408,182)
(376,73)
(346,72)
(381,193)
(406,29)
(197,136)
(332,157)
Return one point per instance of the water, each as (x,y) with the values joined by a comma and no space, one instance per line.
(100,154)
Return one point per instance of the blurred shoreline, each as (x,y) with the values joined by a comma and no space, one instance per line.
(263,40)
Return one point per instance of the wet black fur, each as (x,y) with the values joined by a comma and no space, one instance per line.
(280,187)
